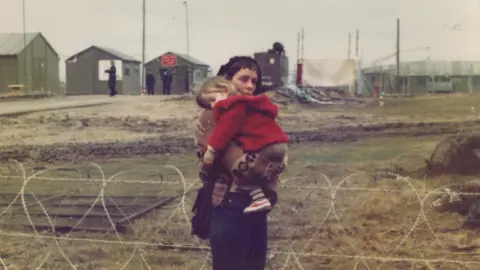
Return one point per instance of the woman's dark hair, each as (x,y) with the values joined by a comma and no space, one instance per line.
(236,63)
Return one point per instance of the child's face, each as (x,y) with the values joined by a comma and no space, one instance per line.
(218,91)
(216,97)
(212,97)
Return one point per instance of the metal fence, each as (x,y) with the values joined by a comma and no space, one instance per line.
(426,77)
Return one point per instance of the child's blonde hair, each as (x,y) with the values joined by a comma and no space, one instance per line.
(217,84)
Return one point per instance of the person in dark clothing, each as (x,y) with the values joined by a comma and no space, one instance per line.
(167,81)
(237,241)
(150,82)
(112,78)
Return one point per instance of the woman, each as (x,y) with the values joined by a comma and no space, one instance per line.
(238,241)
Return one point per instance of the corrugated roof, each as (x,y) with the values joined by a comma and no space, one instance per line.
(185,57)
(193,60)
(14,43)
(113,52)
(118,54)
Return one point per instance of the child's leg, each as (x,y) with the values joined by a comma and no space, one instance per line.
(245,182)
(272,161)
(275,152)
(240,164)
(259,200)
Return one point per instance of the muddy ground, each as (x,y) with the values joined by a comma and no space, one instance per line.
(152,125)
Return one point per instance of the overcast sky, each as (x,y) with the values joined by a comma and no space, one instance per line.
(222,28)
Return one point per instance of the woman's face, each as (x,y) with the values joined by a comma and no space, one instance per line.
(245,80)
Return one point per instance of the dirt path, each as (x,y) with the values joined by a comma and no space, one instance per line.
(16,108)
(167,145)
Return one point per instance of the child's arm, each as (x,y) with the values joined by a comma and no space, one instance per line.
(228,125)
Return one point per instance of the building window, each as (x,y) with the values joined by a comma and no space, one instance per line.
(127,71)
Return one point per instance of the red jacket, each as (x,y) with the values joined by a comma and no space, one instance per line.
(247,120)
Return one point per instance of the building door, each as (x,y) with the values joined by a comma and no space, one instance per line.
(39,75)
(8,75)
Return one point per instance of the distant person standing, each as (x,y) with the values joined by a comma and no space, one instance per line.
(150,82)
(167,79)
(112,78)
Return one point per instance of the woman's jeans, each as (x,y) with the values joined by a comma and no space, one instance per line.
(238,241)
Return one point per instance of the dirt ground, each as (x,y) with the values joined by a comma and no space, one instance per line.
(153,125)
(333,212)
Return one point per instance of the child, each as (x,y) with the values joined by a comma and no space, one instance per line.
(248,121)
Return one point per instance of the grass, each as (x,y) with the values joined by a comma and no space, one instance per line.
(418,108)
(368,219)
(438,106)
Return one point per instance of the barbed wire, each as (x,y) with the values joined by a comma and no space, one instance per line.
(292,254)
(284,184)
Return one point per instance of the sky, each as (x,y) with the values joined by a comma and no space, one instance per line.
(219,29)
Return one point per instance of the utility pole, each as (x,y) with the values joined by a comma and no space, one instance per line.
(188,44)
(143,44)
(356,43)
(358,83)
(24,46)
(398,56)
(298,47)
(349,45)
(303,43)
